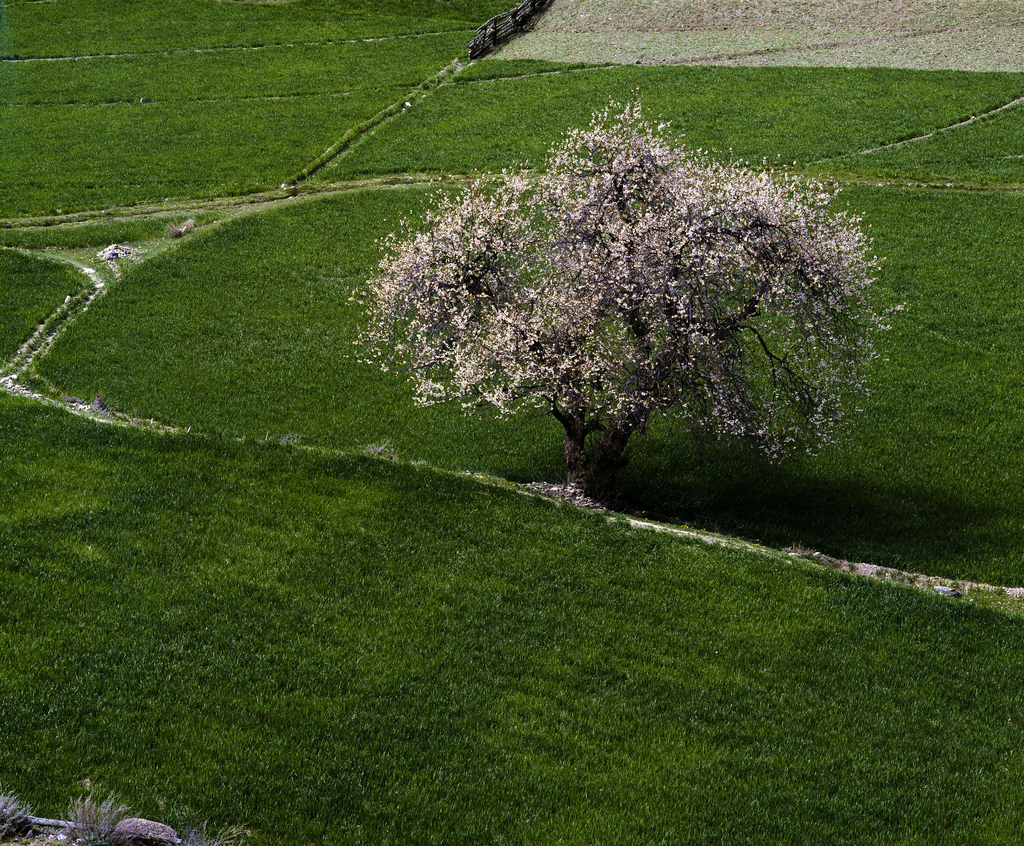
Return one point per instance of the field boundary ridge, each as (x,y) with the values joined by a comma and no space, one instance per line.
(942,129)
(356,133)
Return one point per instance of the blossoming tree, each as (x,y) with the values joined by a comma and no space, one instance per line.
(630,278)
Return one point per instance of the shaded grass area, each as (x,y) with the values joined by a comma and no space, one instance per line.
(794,114)
(249,332)
(929,480)
(337,649)
(30,289)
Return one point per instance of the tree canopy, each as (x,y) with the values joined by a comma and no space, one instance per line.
(631,277)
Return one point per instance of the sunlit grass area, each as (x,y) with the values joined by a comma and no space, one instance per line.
(180,127)
(343,649)
(785,115)
(984,152)
(197,114)
(86,27)
(30,289)
(250,332)
(294,611)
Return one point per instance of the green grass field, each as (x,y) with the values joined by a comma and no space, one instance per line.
(801,115)
(331,648)
(31,290)
(237,611)
(195,124)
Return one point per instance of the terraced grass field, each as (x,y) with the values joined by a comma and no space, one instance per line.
(200,98)
(244,580)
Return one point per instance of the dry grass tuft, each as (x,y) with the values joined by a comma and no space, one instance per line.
(197,835)
(91,818)
(382,450)
(15,818)
(177,231)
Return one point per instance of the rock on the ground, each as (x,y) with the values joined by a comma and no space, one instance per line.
(117,251)
(135,831)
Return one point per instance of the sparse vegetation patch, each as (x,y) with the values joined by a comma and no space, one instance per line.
(980,35)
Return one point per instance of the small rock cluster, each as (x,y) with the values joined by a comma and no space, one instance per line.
(117,251)
(97,406)
(95,822)
(568,492)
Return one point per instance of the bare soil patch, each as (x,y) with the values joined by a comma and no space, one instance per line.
(981,35)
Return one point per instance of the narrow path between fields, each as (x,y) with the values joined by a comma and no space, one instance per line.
(101,275)
(358,132)
(964,123)
(20,368)
(42,339)
(230,206)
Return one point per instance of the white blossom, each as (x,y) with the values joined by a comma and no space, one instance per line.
(630,277)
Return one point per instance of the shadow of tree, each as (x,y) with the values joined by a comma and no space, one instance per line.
(830,504)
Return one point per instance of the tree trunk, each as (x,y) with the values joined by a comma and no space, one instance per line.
(594,471)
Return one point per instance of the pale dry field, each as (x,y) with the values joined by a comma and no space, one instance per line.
(977,35)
